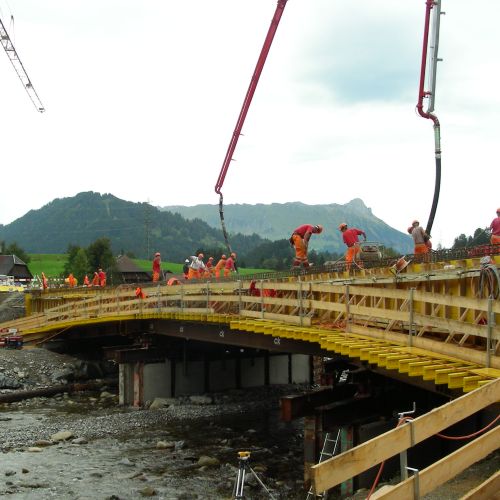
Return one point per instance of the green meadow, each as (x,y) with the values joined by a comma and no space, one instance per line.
(53,265)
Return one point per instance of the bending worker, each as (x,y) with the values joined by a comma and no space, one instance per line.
(230,266)
(219,268)
(350,238)
(300,241)
(196,267)
(495,229)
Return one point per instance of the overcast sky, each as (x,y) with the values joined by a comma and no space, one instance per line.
(142,98)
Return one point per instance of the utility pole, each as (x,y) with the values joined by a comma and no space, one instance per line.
(19,68)
(147,225)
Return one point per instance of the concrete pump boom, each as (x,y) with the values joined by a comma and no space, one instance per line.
(434,7)
(244,110)
(18,66)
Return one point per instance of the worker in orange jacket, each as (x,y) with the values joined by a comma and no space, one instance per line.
(102,278)
(230,265)
(71,280)
(209,268)
(45,283)
(219,267)
(95,279)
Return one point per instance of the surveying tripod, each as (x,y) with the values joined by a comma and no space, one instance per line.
(243,468)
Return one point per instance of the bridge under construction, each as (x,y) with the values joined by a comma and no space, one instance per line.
(427,326)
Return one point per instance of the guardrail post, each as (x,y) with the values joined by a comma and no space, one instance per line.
(347,313)
(491,322)
(239,298)
(416,484)
(301,304)
(411,319)
(262,306)
(208,296)
(182,297)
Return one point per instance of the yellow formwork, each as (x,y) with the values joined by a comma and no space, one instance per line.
(415,362)
(430,371)
(404,364)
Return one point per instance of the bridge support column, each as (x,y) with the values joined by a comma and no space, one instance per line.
(138,384)
(125,384)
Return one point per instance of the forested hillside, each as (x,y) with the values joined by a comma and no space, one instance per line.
(140,229)
(136,228)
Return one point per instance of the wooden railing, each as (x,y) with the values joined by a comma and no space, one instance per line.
(454,325)
(334,471)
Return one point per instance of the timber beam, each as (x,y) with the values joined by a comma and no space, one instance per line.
(135,354)
(300,405)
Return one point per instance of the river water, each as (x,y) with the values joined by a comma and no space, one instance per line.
(181,452)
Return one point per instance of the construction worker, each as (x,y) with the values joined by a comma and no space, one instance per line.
(197,267)
(156,267)
(86,281)
(185,269)
(71,280)
(209,267)
(45,283)
(102,278)
(350,238)
(495,229)
(139,293)
(230,265)
(219,267)
(300,241)
(95,279)
(421,239)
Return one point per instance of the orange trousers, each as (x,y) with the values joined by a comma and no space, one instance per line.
(300,251)
(495,239)
(352,255)
(421,248)
(193,274)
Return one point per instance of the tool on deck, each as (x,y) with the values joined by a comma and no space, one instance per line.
(243,468)
(244,110)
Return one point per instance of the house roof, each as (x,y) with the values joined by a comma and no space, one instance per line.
(127,265)
(12,265)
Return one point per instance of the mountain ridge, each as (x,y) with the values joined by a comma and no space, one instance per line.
(142,229)
(277,220)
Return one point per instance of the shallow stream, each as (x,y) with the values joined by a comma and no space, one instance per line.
(127,454)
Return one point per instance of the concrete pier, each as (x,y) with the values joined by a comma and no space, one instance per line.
(140,382)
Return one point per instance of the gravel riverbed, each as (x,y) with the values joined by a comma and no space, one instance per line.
(85,446)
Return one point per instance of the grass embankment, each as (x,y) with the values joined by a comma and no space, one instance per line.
(53,265)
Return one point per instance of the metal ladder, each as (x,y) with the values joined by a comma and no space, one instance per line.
(328,451)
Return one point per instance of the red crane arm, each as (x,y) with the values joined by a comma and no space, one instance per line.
(250,92)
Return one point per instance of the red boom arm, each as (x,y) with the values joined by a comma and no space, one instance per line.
(250,92)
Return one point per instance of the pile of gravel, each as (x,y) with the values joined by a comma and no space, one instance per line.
(26,369)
